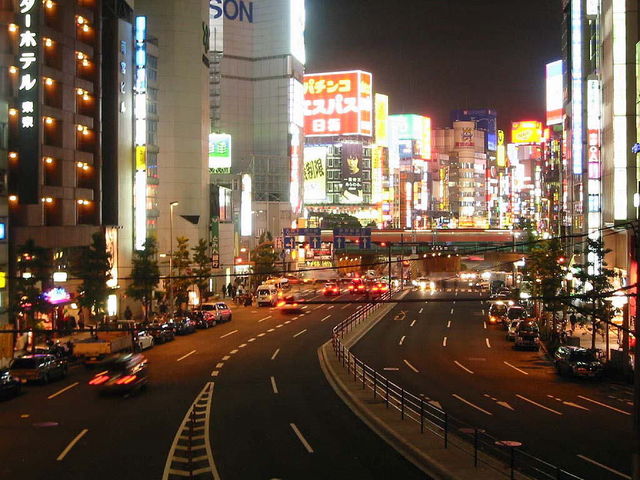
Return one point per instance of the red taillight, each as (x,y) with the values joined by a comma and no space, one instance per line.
(281,303)
(335,290)
(295,304)
(126,380)
(99,380)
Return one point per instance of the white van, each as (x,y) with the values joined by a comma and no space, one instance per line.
(267,294)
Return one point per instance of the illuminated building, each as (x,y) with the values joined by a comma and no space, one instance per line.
(6,345)
(257,58)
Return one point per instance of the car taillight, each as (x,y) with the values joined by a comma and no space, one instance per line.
(99,380)
(125,380)
(281,303)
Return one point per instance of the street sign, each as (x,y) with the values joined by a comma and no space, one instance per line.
(316,242)
(215,261)
(288,242)
(279,244)
(351,232)
(339,243)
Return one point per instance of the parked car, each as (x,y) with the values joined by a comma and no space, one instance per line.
(38,367)
(161,332)
(527,335)
(577,361)
(204,319)
(144,340)
(497,313)
(511,329)
(124,374)
(223,312)
(9,385)
(183,325)
(331,289)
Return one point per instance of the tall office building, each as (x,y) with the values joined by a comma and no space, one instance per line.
(177,163)
(256,87)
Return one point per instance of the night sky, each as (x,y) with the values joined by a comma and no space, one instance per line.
(433,56)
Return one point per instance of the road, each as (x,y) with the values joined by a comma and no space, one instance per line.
(271,412)
(446,352)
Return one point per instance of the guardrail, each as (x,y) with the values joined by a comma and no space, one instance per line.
(505,457)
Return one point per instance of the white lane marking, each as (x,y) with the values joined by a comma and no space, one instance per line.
(345,306)
(604,405)
(472,404)
(538,404)
(279,325)
(71,444)
(273,385)
(449,324)
(233,352)
(609,469)
(568,404)
(251,340)
(271,330)
(420,311)
(226,357)
(330,307)
(301,438)
(516,368)
(295,318)
(275,354)
(402,340)
(287,322)
(261,334)
(254,311)
(412,323)
(319,306)
(328,316)
(219,365)
(485,325)
(451,310)
(444,342)
(462,366)
(215,373)
(391,369)
(61,391)
(185,356)
(411,366)
(230,333)
(483,311)
(242,345)
(265,318)
(300,333)
(488,344)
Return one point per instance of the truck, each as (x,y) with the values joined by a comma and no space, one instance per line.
(94,350)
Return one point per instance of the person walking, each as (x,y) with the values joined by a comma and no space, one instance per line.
(224,290)
(573,320)
(229,290)
(128,314)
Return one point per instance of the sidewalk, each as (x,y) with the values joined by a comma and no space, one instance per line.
(426,451)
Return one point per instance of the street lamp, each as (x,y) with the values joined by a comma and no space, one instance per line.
(171,205)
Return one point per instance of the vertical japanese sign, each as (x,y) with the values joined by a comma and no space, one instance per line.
(315,174)
(215,243)
(140,114)
(28,100)
(339,103)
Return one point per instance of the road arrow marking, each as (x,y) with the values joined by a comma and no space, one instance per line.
(435,404)
(538,404)
(506,405)
(604,405)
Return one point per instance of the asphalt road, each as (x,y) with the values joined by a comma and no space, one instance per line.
(448,353)
(304,431)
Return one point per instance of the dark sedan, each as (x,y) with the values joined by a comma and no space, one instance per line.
(183,325)
(577,361)
(38,367)
(161,332)
(9,386)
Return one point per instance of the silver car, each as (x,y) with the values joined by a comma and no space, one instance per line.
(511,330)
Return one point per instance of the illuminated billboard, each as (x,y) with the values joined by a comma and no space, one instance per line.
(554,93)
(526,132)
(315,174)
(352,177)
(377,161)
(219,153)
(338,103)
(382,119)
(413,127)
(485,119)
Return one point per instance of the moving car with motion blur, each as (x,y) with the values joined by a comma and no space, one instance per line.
(124,374)
(291,304)
(38,368)
(331,289)
(497,313)
(578,362)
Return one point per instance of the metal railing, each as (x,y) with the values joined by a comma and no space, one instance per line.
(504,457)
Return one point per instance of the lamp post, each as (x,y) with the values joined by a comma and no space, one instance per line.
(171,205)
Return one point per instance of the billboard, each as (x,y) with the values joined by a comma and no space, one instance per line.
(382,120)
(554,93)
(219,153)
(338,103)
(377,161)
(526,132)
(352,178)
(412,127)
(464,135)
(486,119)
(315,174)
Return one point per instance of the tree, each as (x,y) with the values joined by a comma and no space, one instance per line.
(145,274)
(180,265)
(264,258)
(34,269)
(202,267)
(596,280)
(93,267)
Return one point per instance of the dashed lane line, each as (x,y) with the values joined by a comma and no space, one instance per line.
(420,310)
(215,373)
(301,437)
(488,344)
(242,345)
(328,316)
(299,333)
(265,318)
(402,340)
(275,354)
(273,385)
(486,412)
(230,333)
(516,368)
(604,405)
(233,352)
(449,324)
(219,365)
(462,366)
(225,358)
(71,444)
(61,391)
(411,366)
(185,356)
(538,404)
(412,323)
(604,467)
(444,342)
